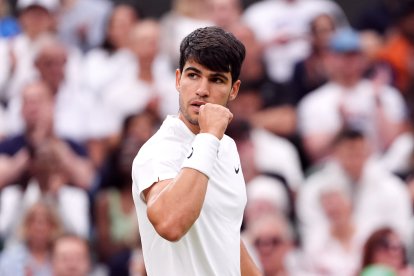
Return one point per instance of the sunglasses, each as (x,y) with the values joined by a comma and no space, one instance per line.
(268,242)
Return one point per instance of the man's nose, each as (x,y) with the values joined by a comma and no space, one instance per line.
(203,88)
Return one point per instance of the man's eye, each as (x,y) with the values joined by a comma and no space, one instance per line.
(217,80)
(192,75)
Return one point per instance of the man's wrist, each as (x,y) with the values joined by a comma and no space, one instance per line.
(203,154)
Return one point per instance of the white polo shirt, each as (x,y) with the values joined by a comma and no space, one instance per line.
(212,245)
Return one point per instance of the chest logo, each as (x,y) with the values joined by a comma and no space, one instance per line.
(191,154)
(236,170)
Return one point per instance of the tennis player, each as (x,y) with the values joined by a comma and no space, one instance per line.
(188,186)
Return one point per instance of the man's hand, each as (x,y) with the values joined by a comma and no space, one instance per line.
(214,119)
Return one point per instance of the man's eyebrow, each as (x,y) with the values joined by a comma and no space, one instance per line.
(219,75)
(191,68)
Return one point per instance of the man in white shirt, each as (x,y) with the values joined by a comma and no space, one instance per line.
(378,197)
(348,99)
(188,187)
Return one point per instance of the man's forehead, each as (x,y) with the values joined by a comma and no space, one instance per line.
(192,64)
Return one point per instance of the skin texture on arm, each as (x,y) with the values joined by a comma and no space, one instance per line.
(247,266)
(174,205)
(79,170)
(11,168)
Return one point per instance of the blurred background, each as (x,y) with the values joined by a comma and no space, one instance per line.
(323,124)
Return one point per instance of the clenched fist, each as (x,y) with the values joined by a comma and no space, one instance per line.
(214,119)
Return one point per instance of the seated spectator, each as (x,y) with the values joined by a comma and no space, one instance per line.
(41,164)
(385,247)
(81,23)
(71,256)
(116,221)
(225,13)
(379,198)
(150,87)
(31,255)
(107,63)
(349,100)
(311,73)
(38,111)
(262,152)
(58,67)
(103,66)
(145,88)
(286,40)
(271,236)
(184,17)
(339,248)
(276,112)
(36,18)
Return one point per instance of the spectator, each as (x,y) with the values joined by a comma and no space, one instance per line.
(273,239)
(379,198)
(350,100)
(107,63)
(282,26)
(103,66)
(147,88)
(41,164)
(310,73)
(116,221)
(71,256)
(58,67)
(31,255)
(81,23)
(385,247)
(339,248)
(266,194)
(184,17)
(277,113)
(36,19)
(38,109)
(226,13)
(262,153)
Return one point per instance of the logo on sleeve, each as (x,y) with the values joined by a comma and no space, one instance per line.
(191,154)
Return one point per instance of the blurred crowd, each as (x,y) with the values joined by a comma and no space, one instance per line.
(324,124)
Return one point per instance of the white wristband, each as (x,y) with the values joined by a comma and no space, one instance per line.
(203,154)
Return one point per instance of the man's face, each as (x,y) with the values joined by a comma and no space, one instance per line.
(36,20)
(70,257)
(272,247)
(352,155)
(198,85)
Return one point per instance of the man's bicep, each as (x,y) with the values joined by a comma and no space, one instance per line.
(151,193)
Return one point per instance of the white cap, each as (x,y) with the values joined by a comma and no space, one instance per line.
(49,5)
(268,189)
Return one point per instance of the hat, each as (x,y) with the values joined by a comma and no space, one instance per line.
(345,41)
(268,189)
(49,5)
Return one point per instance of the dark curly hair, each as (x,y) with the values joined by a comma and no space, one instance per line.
(215,49)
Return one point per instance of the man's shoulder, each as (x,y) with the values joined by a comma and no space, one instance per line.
(165,142)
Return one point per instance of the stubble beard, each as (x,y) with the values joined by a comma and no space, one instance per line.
(183,111)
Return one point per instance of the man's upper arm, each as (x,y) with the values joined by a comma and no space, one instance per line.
(149,171)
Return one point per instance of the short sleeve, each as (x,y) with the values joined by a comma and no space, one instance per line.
(156,163)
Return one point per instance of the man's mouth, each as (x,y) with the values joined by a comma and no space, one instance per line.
(197,103)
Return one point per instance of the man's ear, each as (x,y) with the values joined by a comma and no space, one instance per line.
(234,90)
(177,80)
